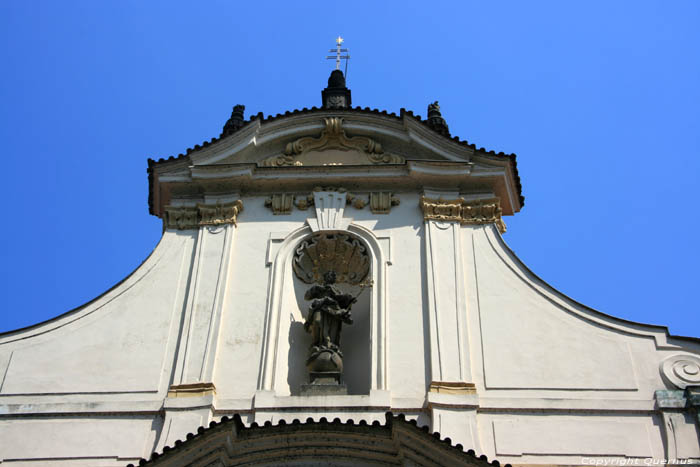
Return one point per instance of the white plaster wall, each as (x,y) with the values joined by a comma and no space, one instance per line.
(566,438)
(243,322)
(544,367)
(118,343)
(96,441)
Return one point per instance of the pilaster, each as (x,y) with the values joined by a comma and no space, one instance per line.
(449,364)
(678,425)
(205,296)
(453,415)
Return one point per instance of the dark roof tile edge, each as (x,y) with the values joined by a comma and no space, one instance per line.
(390,418)
(260,116)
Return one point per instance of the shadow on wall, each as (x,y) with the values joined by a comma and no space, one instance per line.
(354,342)
(299,342)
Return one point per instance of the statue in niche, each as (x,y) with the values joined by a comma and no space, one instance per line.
(329,310)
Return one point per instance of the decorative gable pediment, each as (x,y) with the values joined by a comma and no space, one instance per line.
(332,147)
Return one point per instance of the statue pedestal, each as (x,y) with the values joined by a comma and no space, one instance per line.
(324,384)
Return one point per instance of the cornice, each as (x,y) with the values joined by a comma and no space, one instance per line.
(406,128)
(414,175)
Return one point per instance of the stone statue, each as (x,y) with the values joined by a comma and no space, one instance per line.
(435,120)
(434,109)
(329,310)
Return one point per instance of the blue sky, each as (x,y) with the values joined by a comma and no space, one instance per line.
(600,100)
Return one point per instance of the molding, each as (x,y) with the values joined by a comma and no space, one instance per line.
(191,390)
(449,387)
(332,137)
(478,211)
(187,217)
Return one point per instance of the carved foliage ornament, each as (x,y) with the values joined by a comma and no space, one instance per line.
(186,217)
(338,252)
(333,137)
(479,211)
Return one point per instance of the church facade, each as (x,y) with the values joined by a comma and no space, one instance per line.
(428,314)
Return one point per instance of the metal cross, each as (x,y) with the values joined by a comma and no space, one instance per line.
(337,57)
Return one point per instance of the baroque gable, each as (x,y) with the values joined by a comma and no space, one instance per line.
(333,147)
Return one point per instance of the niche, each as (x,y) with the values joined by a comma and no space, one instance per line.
(349,258)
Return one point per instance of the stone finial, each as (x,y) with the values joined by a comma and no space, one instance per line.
(435,120)
(235,122)
(336,95)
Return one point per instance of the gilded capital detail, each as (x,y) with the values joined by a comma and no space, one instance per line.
(187,217)
(181,217)
(478,211)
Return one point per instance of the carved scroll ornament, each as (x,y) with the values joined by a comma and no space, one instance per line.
(333,137)
(187,217)
(338,252)
(682,370)
(479,211)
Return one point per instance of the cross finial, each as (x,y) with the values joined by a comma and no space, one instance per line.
(338,54)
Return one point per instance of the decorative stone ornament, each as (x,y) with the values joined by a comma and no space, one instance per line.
(187,217)
(218,214)
(336,95)
(181,218)
(435,120)
(333,137)
(280,203)
(338,252)
(682,370)
(235,122)
(380,202)
(479,211)
(330,206)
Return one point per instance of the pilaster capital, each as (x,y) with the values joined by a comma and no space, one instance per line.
(692,393)
(478,211)
(670,399)
(188,217)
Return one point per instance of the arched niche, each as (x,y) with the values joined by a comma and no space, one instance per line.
(285,343)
